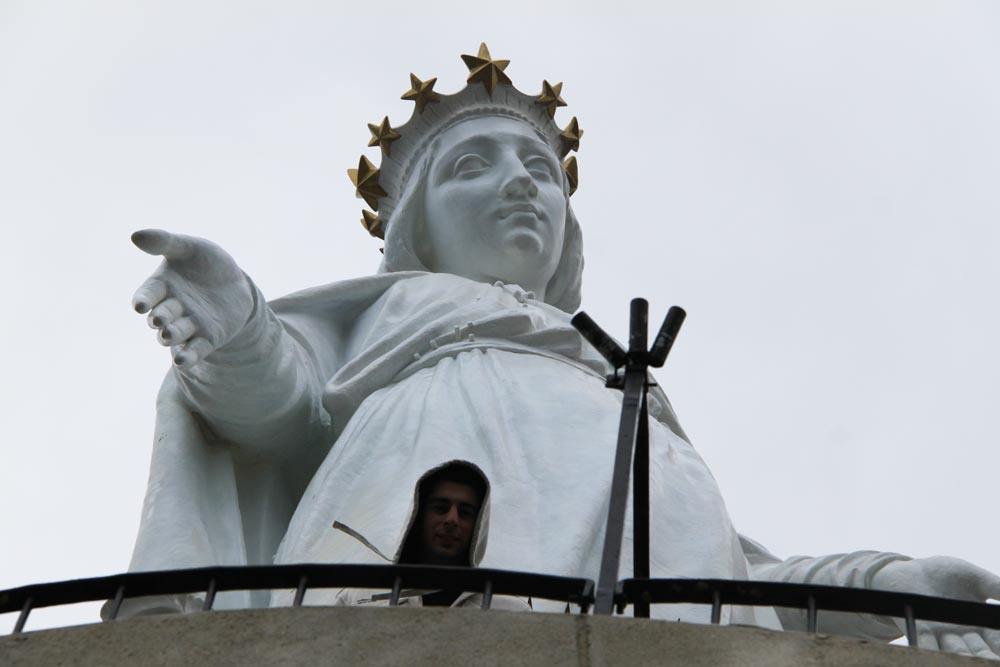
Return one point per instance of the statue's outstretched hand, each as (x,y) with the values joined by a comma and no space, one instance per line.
(197,299)
(948,577)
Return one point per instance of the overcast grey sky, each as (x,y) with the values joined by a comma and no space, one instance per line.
(817,184)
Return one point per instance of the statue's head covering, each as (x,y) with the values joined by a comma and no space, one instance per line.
(397,188)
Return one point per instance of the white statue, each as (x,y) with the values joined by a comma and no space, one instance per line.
(282,417)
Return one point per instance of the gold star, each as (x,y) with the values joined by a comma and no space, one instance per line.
(572,174)
(484,69)
(550,97)
(421,92)
(571,136)
(365,179)
(372,224)
(383,135)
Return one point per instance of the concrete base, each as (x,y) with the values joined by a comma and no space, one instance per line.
(435,637)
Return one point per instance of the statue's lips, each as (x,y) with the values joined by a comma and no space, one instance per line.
(514,209)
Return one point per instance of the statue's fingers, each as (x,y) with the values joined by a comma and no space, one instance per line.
(979,647)
(152,241)
(178,331)
(989,585)
(926,639)
(196,349)
(953,643)
(149,294)
(165,313)
(992,639)
(161,242)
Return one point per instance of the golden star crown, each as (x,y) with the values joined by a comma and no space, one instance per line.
(402,146)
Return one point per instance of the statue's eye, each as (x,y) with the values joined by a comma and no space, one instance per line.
(470,166)
(539,167)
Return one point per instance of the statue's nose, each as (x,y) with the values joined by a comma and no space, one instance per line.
(519,182)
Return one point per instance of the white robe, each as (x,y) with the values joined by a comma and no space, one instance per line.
(398,372)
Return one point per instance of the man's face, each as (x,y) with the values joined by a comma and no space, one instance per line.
(447,519)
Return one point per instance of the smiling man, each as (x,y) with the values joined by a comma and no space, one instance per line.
(448,525)
(447,517)
(449,506)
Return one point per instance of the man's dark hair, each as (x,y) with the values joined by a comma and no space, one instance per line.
(453,472)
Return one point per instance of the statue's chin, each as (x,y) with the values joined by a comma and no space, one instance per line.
(526,261)
(525,244)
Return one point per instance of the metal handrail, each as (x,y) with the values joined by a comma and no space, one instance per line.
(811,597)
(577,591)
(212,580)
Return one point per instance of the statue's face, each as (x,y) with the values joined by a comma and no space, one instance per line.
(495,206)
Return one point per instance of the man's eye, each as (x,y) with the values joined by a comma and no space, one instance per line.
(469,166)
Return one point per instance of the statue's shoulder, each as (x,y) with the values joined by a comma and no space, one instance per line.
(344,308)
(342,294)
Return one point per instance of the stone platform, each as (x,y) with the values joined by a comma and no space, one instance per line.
(437,637)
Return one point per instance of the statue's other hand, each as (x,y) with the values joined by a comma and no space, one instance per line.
(948,577)
(197,299)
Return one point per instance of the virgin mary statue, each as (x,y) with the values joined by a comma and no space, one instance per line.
(280,418)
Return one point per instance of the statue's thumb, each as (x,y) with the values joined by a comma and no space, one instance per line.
(990,587)
(160,242)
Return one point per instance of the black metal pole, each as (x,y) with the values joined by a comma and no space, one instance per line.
(666,336)
(638,328)
(640,506)
(628,429)
(615,528)
(597,337)
(633,443)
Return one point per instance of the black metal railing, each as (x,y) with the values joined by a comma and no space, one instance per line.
(300,577)
(715,593)
(610,594)
(811,598)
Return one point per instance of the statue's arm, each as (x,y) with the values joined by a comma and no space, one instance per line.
(261,390)
(944,576)
(855,570)
(252,383)
(940,576)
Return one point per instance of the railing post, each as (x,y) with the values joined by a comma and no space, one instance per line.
(487,594)
(619,604)
(811,614)
(117,604)
(300,592)
(397,588)
(22,618)
(716,607)
(586,597)
(911,625)
(209,596)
